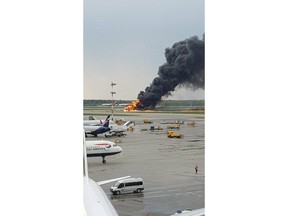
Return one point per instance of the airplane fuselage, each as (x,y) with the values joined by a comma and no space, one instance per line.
(95,199)
(102,148)
(95,122)
(95,130)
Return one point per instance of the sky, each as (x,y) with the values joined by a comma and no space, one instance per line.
(125,41)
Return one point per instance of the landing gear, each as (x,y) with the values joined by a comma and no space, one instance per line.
(103,160)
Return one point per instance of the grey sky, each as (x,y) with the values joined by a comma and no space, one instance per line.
(125,41)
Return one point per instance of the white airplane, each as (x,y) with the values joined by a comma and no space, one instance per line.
(95,130)
(94,122)
(190,212)
(95,200)
(102,148)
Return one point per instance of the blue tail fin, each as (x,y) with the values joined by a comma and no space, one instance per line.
(108,117)
(106,123)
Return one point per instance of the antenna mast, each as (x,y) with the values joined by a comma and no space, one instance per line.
(112,93)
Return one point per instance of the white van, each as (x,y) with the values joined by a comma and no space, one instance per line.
(128,185)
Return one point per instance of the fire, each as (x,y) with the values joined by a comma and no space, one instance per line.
(133,105)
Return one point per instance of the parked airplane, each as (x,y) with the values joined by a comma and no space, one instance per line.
(95,130)
(94,122)
(95,199)
(102,148)
(190,212)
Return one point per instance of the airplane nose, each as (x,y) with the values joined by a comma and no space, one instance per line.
(119,148)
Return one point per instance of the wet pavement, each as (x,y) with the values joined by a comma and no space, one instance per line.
(167,165)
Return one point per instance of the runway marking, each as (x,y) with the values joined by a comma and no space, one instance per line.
(171,190)
(194,194)
(177,194)
(156,192)
(157,196)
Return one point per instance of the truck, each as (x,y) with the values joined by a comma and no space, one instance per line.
(173,127)
(171,134)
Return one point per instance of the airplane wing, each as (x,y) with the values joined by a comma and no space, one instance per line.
(111,180)
(91,118)
(196,212)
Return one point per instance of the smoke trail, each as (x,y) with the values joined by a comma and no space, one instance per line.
(184,67)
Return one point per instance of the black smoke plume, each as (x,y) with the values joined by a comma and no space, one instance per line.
(184,67)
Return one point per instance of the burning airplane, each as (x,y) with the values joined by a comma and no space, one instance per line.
(184,68)
(134,105)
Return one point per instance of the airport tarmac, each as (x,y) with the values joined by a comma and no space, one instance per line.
(167,165)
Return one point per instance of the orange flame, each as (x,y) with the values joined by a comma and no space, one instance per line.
(133,105)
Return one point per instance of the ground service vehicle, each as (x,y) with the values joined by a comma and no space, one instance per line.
(147,121)
(173,127)
(120,121)
(156,128)
(134,185)
(191,124)
(171,134)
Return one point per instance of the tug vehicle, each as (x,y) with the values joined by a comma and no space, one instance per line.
(120,121)
(191,124)
(171,134)
(156,128)
(147,121)
(130,128)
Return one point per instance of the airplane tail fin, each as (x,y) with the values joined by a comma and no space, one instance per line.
(108,117)
(106,123)
(91,118)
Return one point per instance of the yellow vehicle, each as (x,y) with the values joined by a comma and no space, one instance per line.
(156,128)
(191,124)
(120,121)
(130,128)
(147,121)
(173,127)
(171,134)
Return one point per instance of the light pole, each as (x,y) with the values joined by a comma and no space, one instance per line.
(112,93)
